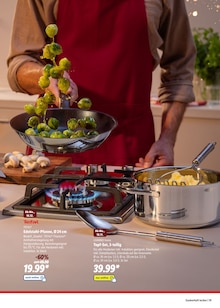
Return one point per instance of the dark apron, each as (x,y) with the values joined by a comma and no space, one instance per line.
(107,43)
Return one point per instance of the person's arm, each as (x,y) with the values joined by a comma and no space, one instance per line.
(169,30)
(28,75)
(162,151)
(178,54)
(25,65)
(171,119)
(27,40)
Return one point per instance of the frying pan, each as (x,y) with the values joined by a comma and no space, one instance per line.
(105,125)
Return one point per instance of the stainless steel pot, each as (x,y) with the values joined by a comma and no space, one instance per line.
(105,125)
(172,206)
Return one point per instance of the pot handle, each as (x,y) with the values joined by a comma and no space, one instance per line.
(125,186)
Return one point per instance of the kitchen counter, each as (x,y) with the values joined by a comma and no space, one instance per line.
(57,255)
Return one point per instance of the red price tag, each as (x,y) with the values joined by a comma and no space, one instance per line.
(100,232)
(30,213)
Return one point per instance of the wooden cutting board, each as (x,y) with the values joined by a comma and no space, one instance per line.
(16,176)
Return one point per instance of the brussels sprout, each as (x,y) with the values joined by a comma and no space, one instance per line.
(56,72)
(87,123)
(47,52)
(33,121)
(65,64)
(63,84)
(55,49)
(44,134)
(49,98)
(30,131)
(44,82)
(29,108)
(53,123)
(92,133)
(84,103)
(46,70)
(72,123)
(57,134)
(43,127)
(82,122)
(78,134)
(51,30)
(41,103)
(41,107)
(67,133)
(90,123)
(39,111)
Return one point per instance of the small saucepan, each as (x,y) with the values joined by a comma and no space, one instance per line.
(175,206)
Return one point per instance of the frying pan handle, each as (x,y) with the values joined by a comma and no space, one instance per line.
(64,101)
(203,154)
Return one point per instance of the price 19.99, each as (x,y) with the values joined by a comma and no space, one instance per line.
(36,268)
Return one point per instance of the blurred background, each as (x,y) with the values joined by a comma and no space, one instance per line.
(202,13)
